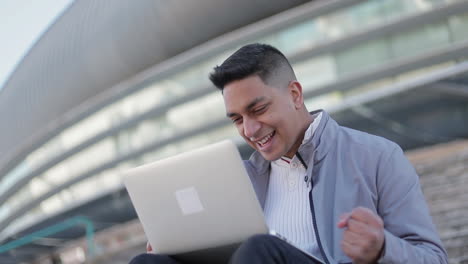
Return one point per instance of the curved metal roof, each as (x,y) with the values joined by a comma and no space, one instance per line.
(97,44)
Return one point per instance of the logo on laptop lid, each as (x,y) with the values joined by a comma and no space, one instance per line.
(189,201)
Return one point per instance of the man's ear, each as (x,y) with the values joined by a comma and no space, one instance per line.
(295,90)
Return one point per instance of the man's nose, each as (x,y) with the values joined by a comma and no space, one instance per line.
(251,127)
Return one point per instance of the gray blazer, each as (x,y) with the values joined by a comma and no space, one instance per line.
(350,168)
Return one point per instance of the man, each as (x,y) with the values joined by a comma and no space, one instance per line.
(339,194)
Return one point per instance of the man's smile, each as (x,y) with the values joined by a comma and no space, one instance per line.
(264,142)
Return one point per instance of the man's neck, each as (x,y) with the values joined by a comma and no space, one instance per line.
(300,137)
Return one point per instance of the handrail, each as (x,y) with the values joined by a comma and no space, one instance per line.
(71,222)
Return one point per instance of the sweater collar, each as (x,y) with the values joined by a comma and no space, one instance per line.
(285,161)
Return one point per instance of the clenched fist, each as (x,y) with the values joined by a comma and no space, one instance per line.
(363,237)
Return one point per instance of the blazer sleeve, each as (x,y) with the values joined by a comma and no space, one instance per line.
(410,235)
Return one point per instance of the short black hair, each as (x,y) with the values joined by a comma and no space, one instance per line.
(252,59)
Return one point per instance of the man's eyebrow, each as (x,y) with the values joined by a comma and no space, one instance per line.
(249,106)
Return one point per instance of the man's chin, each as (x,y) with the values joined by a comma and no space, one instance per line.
(269,156)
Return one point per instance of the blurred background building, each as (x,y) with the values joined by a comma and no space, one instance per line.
(111,85)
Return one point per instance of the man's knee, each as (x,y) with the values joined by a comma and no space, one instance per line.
(257,249)
(263,241)
(259,244)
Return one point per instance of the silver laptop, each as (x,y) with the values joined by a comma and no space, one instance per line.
(197,206)
(198,200)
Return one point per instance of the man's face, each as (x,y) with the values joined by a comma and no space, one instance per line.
(266,117)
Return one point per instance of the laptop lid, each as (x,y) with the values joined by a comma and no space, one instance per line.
(196,200)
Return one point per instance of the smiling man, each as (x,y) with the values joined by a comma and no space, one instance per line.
(338,194)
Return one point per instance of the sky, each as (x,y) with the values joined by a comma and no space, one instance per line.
(22,22)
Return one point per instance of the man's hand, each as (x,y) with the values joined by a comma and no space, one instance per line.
(363,237)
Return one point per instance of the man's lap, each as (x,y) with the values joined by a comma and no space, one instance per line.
(256,249)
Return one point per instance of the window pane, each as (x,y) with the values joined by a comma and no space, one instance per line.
(315,72)
(416,41)
(459,27)
(362,57)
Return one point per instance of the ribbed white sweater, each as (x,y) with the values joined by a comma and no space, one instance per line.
(287,208)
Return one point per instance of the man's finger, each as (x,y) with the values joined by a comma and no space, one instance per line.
(343,222)
(357,226)
(149,248)
(351,237)
(351,250)
(365,215)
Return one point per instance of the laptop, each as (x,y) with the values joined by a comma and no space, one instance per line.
(197,206)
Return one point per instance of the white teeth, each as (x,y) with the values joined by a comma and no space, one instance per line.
(265,139)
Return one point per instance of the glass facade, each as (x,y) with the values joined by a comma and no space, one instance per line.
(174,122)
